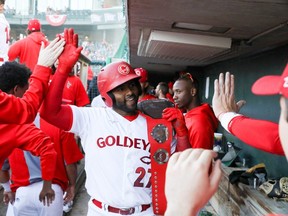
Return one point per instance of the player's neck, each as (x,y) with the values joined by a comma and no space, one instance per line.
(131,117)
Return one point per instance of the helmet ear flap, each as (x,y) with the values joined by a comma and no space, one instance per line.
(139,88)
(111,99)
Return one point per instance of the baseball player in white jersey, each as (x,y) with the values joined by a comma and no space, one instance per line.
(4,34)
(114,139)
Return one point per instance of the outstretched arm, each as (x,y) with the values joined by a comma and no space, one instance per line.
(244,128)
(52,110)
(191,180)
(24,109)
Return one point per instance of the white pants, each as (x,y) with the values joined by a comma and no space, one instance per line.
(93,210)
(27,202)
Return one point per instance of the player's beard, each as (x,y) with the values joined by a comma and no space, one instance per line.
(125,106)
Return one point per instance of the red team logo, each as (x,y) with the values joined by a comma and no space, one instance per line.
(137,72)
(123,69)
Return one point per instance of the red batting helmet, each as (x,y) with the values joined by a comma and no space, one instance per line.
(143,73)
(112,76)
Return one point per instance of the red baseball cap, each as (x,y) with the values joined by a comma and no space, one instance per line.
(272,84)
(34,25)
(143,73)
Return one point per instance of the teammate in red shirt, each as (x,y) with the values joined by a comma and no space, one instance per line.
(16,110)
(199,117)
(26,173)
(144,84)
(14,80)
(90,76)
(74,92)
(27,49)
(23,110)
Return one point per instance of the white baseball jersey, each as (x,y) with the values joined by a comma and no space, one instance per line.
(4,38)
(117,156)
(98,102)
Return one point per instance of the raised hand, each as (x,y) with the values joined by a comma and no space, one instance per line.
(224,95)
(191,180)
(175,116)
(47,56)
(71,52)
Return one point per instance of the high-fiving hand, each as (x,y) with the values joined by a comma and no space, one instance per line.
(48,55)
(224,96)
(71,52)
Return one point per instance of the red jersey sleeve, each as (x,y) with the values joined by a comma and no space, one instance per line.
(14,50)
(70,149)
(52,110)
(260,134)
(23,110)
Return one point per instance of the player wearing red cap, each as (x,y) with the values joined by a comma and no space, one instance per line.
(144,84)
(27,49)
(114,138)
(245,128)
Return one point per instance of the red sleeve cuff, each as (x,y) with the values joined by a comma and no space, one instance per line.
(41,72)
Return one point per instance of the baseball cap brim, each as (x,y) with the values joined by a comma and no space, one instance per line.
(272,84)
(267,85)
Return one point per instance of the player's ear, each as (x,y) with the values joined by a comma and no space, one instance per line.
(13,91)
(193,91)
